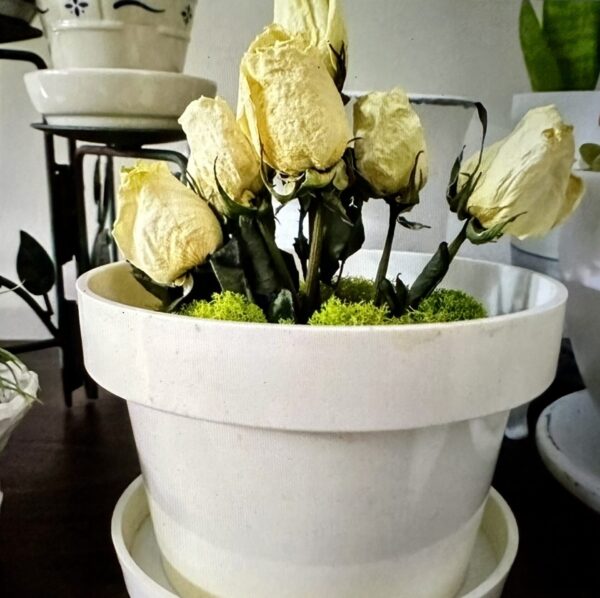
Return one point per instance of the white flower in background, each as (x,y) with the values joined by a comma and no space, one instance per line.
(163,228)
(528,175)
(289,106)
(389,137)
(215,137)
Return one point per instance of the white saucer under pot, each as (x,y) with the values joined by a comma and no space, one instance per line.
(568,432)
(116,98)
(135,543)
(148,34)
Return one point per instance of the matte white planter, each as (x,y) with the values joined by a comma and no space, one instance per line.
(293,461)
(151,35)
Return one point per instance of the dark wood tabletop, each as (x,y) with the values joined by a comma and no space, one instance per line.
(65,469)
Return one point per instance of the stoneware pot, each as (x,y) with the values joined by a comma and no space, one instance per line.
(151,34)
(582,110)
(568,433)
(294,461)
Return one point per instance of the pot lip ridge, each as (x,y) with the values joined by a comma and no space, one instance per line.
(558,299)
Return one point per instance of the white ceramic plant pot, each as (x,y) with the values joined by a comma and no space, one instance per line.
(151,35)
(582,110)
(294,461)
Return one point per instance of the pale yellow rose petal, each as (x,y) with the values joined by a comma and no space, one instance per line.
(214,135)
(289,105)
(163,228)
(389,136)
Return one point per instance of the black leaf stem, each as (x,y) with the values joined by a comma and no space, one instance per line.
(314,258)
(279,262)
(458,241)
(27,298)
(387,248)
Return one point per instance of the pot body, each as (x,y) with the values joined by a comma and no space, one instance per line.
(152,35)
(336,462)
(582,110)
(580,265)
(259,512)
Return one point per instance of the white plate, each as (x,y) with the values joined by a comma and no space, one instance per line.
(568,439)
(122,98)
(135,543)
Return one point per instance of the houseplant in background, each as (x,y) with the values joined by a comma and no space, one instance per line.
(286,459)
(561,53)
(18,391)
(568,432)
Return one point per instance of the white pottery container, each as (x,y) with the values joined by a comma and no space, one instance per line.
(151,34)
(293,461)
(582,110)
(580,265)
(122,98)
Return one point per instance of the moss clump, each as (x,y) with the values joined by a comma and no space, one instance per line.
(335,312)
(355,289)
(228,306)
(445,305)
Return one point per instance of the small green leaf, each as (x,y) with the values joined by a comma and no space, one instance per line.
(165,294)
(478,235)
(34,266)
(430,277)
(589,152)
(229,270)
(282,308)
(541,63)
(411,225)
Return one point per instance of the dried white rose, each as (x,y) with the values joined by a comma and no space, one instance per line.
(289,105)
(163,228)
(215,137)
(528,174)
(389,138)
(322,22)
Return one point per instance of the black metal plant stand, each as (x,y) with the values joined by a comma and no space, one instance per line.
(69,225)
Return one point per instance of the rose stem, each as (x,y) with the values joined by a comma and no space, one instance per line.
(314,259)
(387,248)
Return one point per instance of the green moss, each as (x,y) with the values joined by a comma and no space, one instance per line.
(228,306)
(445,305)
(335,312)
(355,289)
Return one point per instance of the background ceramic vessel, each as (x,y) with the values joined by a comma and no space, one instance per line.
(568,431)
(367,476)
(114,97)
(150,34)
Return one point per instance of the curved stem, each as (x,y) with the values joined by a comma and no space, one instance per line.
(387,248)
(458,241)
(25,296)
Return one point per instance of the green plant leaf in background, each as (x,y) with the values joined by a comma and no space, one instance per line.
(542,65)
(34,266)
(571,30)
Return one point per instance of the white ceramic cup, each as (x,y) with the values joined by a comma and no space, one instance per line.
(135,34)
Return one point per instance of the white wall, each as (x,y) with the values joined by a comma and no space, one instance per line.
(459,47)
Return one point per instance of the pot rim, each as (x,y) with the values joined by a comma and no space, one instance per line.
(559,297)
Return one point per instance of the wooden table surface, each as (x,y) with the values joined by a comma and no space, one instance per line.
(64,470)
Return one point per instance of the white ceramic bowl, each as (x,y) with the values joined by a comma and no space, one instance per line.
(146,34)
(114,97)
(135,544)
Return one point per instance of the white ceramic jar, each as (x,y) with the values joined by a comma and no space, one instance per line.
(147,34)
(294,461)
